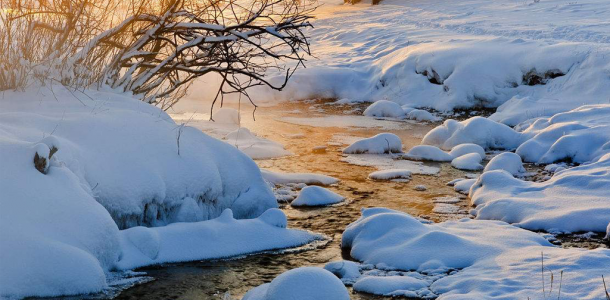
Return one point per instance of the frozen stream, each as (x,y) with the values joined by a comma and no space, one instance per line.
(332,126)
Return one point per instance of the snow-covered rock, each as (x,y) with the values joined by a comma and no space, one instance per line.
(463,186)
(426,152)
(305,283)
(390,174)
(422,115)
(478,130)
(378,144)
(255,147)
(384,108)
(306,178)
(464,149)
(470,162)
(316,196)
(507,161)
(405,286)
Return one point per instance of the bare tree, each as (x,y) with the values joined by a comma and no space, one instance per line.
(155,49)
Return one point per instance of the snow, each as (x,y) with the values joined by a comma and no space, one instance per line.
(422,116)
(346,121)
(390,161)
(391,285)
(463,186)
(470,162)
(179,242)
(316,196)
(384,108)
(477,130)
(255,147)
(306,178)
(463,149)
(572,200)
(507,161)
(305,283)
(390,174)
(347,271)
(425,152)
(378,144)
(119,163)
(420,187)
(495,260)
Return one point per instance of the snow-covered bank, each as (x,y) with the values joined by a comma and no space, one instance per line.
(472,259)
(77,167)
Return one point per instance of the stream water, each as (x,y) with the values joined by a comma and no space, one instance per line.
(331,126)
(315,123)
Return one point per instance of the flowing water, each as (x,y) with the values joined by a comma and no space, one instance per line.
(333,125)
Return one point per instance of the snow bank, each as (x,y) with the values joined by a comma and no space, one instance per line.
(572,200)
(316,196)
(391,174)
(181,242)
(379,144)
(495,260)
(470,162)
(105,161)
(425,152)
(384,108)
(306,178)
(507,161)
(255,147)
(305,283)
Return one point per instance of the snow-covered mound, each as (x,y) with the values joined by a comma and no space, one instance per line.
(227,115)
(347,271)
(255,147)
(425,152)
(77,167)
(379,144)
(478,130)
(305,283)
(471,162)
(497,260)
(384,108)
(180,242)
(306,178)
(316,196)
(390,174)
(507,161)
(422,116)
(463,186)
(464,149)
(572,200)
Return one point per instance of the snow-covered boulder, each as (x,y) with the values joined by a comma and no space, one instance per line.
(390,174)
(227,115)
(305,283)
(426,152)
(384,109)
(316,196)
(463,186)
(470,162)
(255,147)
(305,178)
(422,115)
(507,161)
(463,149)
(478,130)
(378,144)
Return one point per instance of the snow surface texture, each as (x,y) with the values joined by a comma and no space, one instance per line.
(379,144)
(316,196)
(495,259)
(306,283)
(179,242)
(110,162)
(391,174)
(530,58)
